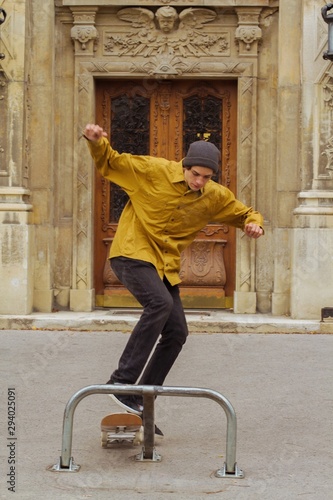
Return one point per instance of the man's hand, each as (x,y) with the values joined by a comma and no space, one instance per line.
(94,132)
(253,230)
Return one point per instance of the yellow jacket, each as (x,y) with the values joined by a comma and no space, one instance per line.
(163,216)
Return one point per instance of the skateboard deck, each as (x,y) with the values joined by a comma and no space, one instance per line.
(119,428)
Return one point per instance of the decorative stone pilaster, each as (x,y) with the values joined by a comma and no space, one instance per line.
(85,36)
(84,33)
(248,34)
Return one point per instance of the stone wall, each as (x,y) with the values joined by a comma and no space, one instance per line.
(53,53)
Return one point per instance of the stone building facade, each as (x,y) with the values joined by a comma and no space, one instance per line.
(54,53)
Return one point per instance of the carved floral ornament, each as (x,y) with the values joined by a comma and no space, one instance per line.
(328,101)
(328,89)
(328,152)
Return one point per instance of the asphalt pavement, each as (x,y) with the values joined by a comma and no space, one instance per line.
(280,384)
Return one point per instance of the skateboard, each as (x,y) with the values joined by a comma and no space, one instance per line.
(121,428)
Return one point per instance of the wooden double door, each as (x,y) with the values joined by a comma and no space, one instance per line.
(162,118)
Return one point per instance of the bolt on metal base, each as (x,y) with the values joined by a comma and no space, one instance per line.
(73,467)
(156,457)
(237,473)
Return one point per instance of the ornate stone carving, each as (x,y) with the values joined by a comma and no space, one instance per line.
(248,34)
(166,67)
(4,172)
(167,35)
(328,91)
(81,277)
(122,67)
(27,141)
(174,1)
(84,34)
(328,152)
(3,86)
(325,172)
(7,42)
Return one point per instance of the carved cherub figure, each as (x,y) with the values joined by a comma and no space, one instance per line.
(195,18)
(165,32)
(166,18)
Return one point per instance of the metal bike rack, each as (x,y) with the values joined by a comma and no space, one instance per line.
(148,453)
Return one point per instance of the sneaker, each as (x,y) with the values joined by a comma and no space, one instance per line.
(158,432)
(129,403)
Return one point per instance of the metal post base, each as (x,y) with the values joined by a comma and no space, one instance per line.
(156,457)
(59,468)
(237,473)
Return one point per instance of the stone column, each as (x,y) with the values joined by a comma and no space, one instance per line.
(16,231)
(40,124)
(287,179)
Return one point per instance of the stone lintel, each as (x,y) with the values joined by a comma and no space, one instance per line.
(180,3)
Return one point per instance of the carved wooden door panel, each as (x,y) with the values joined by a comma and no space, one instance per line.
(162,118)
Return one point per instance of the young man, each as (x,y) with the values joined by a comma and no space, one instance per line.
(169,203)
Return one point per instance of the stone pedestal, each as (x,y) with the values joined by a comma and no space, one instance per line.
(82,300)
(312,255)
(245,302)
(16,252)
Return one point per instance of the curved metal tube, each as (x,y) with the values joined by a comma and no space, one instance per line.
(66,460)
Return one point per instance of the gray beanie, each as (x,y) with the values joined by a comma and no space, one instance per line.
(203,154)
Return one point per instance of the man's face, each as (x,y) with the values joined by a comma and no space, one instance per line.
(197,177)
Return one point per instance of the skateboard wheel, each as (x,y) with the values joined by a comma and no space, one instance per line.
(138,438)
(104,439)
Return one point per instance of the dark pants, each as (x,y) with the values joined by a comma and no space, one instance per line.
(163,315)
